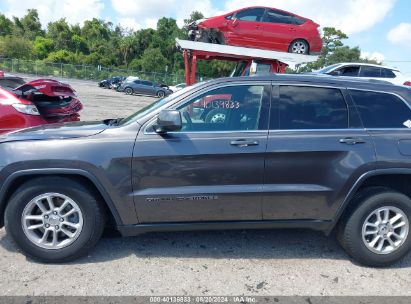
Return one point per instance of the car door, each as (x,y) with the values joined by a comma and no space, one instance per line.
(316,150)
(137,87)
(211,170)
(387,117)
(245,27)
(278,30)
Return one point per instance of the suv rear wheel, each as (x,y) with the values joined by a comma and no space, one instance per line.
(377,232)
(54,219)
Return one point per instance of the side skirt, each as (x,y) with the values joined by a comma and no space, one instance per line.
(132,230)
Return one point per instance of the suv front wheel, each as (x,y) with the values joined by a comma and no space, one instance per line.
(376,233)
(54,219)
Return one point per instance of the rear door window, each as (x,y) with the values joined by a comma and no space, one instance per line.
(370,72)
(381,110)
(349,71)
(274,16)
(312,108)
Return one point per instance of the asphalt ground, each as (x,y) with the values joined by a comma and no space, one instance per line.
(271,263)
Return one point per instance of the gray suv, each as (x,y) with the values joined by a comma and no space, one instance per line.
(308,152)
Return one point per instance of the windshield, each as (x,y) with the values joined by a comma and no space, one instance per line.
(156,105)
(328,68)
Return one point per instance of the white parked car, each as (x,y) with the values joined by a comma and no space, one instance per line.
(177,87)
(367,71)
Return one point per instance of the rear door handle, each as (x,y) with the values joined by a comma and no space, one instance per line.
(352,141)
(242,143)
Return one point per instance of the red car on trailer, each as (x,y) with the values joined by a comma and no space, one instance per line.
(260,27)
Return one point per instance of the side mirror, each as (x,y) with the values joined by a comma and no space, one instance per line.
(235,22)
(168,121)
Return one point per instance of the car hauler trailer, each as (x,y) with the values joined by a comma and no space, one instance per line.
(194,51)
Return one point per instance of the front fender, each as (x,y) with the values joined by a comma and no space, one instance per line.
(13,177)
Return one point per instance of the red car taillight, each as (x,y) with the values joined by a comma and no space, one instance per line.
(407,83)
(28,109)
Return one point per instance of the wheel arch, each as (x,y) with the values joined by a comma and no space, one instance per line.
(15,179)
(395,179)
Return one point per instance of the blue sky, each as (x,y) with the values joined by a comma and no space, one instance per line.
(382,29)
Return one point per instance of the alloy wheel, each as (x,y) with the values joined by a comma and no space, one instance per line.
(299,47)
(385,230)
(52,221)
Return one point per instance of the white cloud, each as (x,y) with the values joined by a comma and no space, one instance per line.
(401,35)
(373,56)
(350,16)
(146,13)
(75,11)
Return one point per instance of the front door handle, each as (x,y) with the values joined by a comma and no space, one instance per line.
(242,143)
(352,141)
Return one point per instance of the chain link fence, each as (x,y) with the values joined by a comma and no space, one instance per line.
(87,72)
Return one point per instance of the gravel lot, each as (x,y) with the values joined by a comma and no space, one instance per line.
(197,263)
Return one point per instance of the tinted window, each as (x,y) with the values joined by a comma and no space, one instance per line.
(386,73)
(275,16)
(370,72)
(137,81)
(254,14)
(381,110)
(147,83)
(312,108)
(225,109)
(349,71)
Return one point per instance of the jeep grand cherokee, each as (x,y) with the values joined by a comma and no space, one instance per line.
(310,152)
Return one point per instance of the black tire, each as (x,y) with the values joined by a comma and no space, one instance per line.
(161,94)
(350,227)
(92,212)
(128,91)
(299,46)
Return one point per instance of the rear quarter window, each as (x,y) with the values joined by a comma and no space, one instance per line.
(381,110)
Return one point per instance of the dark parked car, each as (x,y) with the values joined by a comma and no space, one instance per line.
(308,152)
(145,87)
(113,82)
(262,28)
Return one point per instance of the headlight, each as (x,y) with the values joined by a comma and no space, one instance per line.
(26,109)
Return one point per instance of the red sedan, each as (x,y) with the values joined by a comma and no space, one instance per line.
(260,27)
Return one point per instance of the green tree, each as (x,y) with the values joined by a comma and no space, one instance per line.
(61,56)
(6,26)
(15,47)
(29,26)
(60,32)
(42,47)
(153,60)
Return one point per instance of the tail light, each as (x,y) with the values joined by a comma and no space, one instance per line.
(28,109)
(407,83)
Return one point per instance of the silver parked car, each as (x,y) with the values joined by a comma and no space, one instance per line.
(145,87)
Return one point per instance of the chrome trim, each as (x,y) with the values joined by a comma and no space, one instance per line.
(308,84)
(315,130)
